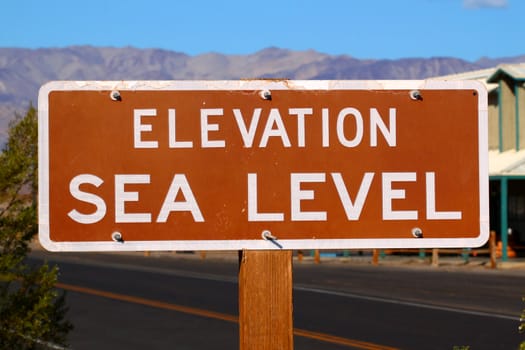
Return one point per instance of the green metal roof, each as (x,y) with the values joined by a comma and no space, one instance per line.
(515,71)
(479,75)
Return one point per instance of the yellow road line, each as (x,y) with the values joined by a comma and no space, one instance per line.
(218,316)
(148,302)
(340,341)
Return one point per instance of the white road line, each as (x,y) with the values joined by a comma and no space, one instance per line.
(298,287)
(404,303)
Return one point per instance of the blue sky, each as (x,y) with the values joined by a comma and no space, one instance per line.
(377,29)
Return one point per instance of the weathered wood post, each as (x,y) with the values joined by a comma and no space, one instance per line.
(265,300)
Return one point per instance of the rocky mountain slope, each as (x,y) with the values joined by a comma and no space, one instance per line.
(23,71)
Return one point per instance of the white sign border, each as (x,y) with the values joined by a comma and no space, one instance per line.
(260,244)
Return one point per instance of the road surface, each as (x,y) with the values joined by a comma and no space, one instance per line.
(129,301)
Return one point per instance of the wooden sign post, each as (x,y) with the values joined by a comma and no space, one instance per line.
(265,300)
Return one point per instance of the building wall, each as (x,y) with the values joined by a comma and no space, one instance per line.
(507,114)
(520,105)
(493,115)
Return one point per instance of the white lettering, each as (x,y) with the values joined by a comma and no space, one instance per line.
(326,131)
(253,214)
(345,112)
(274,118)
(377,122)
(121,197)
(353,210)
(390,194)
(172,132)
(298,195)
(180,183)
(247,134)
(301,113)
(206,127)
(138,128)
(100,205)
(432,214)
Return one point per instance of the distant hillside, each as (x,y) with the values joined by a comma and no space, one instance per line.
(23,71)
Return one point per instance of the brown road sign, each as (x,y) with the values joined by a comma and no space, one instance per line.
(262,164)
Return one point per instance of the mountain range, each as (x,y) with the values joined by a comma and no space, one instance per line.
(23,71)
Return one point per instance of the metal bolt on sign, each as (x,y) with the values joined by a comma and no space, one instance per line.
(117,237)
(417,232)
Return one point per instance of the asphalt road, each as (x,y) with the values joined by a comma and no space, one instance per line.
(123,301)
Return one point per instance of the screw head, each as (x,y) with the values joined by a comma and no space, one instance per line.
(416,95)
(417,232)
(266,94)
(115,95)
(117,237)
